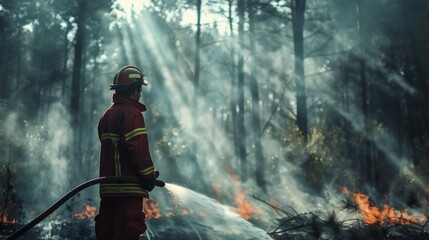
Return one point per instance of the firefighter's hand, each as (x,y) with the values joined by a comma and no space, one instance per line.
(159,183)
(148,184)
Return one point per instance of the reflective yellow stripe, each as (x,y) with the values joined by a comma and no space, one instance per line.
(115,189)
(134,75)
(116,159)
(147,171)
(119,185)
(115,138)
(112,136)
(121,189)
(135,132)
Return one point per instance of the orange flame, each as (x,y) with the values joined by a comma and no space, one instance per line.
(151,209)
(87,212)
(5,218)
(244,208)
(169,214)
(372,214)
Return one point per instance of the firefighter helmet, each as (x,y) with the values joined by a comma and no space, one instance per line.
(126,77)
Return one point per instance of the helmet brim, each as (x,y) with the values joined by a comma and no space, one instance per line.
(125,86)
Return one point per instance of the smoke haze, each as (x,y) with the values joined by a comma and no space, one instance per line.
(366,100)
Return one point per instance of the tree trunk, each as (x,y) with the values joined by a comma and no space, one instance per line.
(197,54)
(18,59)
(345,100)
(40,90)
(196,126)
(9,187)
(254,91)
(367,169)
(10,83)
(82,117)
(417,78)
(77,64)
(411,132)
(298,9)
(240,119)
(123,53)
(76,83)
(2,62)
(66,57)
(136,56)
(233,101)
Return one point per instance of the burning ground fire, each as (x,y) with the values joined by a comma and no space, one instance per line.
(6,219)
(87,212)
(369,211)
(372,214)
(152,210)
(242,206)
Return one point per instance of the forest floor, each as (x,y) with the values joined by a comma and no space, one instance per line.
(306,226)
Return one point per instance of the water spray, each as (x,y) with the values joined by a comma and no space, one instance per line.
(47,212)
(208,218)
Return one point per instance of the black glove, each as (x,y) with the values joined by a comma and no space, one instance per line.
(159,183)
(148,184)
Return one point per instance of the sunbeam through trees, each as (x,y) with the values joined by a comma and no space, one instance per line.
(282,119)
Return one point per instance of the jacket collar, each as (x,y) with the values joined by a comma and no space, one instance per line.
(125,100)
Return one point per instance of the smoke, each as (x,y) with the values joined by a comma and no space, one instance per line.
(191,137)
(203,131)
(43,170)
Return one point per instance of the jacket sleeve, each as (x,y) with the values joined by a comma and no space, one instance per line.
(137,146)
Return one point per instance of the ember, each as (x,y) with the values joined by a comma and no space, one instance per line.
(169,214)
(87,212)
(151,209)
(218,191)
(372,214)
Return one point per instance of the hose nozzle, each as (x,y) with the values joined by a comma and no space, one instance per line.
(159,183)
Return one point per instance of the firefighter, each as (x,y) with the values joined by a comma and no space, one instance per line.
(124,152)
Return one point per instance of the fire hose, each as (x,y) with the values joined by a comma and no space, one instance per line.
(47,212)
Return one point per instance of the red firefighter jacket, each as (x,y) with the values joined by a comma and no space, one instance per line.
(124,148)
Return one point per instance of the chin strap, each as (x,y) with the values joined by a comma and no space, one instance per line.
(112,179)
